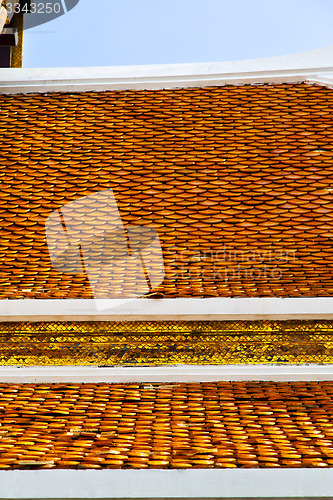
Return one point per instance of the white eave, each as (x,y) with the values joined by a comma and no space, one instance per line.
(177,309)
(314,66)
(168,484)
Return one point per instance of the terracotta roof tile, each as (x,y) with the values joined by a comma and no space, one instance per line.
(201,425)
(235,171)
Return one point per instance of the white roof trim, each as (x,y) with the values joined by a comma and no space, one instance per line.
(283,372)
(194,309)
(313,65)
(149,484)
(326,80)
(157,82)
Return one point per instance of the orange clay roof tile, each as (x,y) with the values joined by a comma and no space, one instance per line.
(243,169)
(199,425)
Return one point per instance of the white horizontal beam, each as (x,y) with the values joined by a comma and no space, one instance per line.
(164,374)
(163,82)
(149,484)
(294,68)
(194,309)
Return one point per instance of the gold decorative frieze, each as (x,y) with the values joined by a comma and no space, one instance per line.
(165,343)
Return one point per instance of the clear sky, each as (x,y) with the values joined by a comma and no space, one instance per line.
(122,32)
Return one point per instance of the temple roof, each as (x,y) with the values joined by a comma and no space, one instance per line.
(236,182)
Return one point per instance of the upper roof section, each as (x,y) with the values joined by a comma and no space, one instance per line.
(205,192)
(194,180)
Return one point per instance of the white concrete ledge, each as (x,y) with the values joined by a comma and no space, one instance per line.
(194,309)
(199,483)
(326,80)
(167,374)
(317,75)
(294,68)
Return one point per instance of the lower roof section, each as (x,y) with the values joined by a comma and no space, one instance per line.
(283,483)
(211,425)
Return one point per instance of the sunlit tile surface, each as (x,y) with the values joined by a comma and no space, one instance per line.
(166,342)
(202,425)
(236,180)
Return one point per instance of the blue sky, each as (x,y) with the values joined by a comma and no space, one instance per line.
(126,32)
